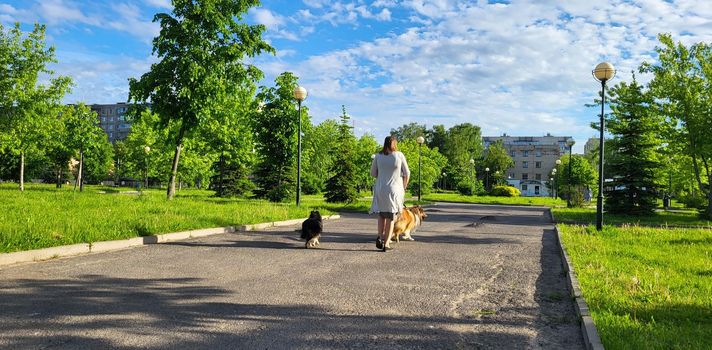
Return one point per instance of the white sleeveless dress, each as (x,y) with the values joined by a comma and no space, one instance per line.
(388,193)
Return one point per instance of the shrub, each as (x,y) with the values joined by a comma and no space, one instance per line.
(464,188)
(505,191)
(693,201)
(575,199)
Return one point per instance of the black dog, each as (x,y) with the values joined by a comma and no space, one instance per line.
(311,229)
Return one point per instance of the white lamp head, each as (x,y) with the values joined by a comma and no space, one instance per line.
(420,140)
(300,93)
(604,71)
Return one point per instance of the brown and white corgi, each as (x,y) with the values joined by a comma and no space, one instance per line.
(407,222)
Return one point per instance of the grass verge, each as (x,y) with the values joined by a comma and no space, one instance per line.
(530,201)
(587,216)
(647,288)
(44,217)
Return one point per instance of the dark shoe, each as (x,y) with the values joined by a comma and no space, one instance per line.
(379,243)
(387,249)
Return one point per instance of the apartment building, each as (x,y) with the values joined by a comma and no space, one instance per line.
(112,118)
(534,158)
(591,145)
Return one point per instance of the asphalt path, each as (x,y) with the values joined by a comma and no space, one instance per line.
(477,277)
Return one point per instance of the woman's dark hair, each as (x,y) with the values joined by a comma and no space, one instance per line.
(390,145)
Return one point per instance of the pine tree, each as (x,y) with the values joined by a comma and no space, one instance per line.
(275,130)
(341,187)
(632,165)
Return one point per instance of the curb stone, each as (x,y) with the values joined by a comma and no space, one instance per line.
(107,246)
(590,334)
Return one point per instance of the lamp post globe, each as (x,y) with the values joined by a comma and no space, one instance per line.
(300,94)
(420,141)
(603,72)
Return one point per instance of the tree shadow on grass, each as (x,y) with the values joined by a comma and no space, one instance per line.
(95,311)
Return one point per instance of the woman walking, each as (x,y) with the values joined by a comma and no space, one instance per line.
(390,169)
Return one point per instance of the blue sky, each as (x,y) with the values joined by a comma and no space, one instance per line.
(515,67)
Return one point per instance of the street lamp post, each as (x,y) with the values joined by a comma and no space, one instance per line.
(551,182)
(553,173)
(487,179)
(444,182)
(420,141)
(472,176)
(569,143)
(300,94)
(603,72)
(145,174)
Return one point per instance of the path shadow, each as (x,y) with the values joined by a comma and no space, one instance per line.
(556,305)
(100,312)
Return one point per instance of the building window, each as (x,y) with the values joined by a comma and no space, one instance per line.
(111,135)
(538,153)
(525,164)
(536,190)
(525,153)
(524,187)
(514,154)
(525,176)
(511,175)
(537,176)
(537,165)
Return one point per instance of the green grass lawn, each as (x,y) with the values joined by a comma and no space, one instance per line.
(647,288)
(588,216)
(45,217)
(458,198)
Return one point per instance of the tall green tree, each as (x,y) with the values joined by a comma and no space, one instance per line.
(634,124)
(498,161)
(437,137)
(432,165)
(341,186)
(275,126)
(230,138)
(464,142)
(201,48)
(28,108)
(84,134)
(318,154)
(366,147)
(572,180)
(409,131)
(682,82)
(57,147)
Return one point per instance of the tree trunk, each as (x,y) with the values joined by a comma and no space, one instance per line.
(174,170)
(22,171)
(708,212)
(59,176)
(78,180)
(81,171)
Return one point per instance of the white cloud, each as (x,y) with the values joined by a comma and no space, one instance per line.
(268,18)
(130,19)
(520,68)
(58,11)
(7,9)
(160,3)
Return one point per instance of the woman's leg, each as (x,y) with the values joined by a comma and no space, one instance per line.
(381,225)
(388,228)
